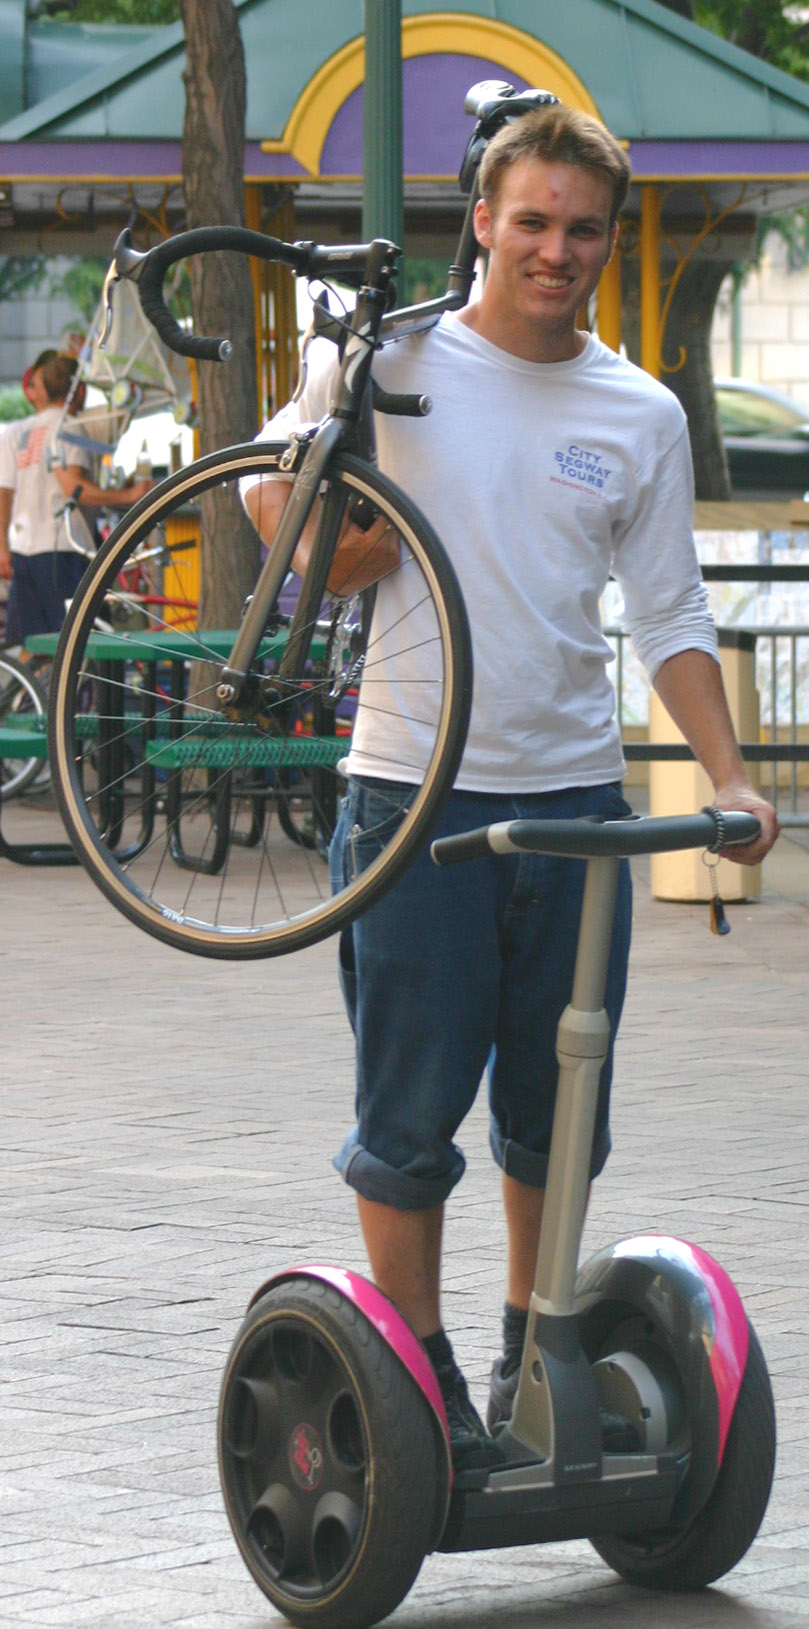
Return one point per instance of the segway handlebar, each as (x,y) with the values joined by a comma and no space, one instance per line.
(590,837)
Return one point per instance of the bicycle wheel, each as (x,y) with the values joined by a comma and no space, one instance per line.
(181,830)
(22,700)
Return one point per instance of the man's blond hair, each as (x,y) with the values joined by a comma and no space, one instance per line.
(557,134)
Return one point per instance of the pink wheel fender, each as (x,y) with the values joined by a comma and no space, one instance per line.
(728,1352)
(698,1311)
(389,1323)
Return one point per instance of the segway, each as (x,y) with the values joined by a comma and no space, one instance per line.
(643,1418)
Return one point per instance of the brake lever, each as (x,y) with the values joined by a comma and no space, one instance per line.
(126,262)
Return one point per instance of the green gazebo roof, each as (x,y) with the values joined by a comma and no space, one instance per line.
(689,105)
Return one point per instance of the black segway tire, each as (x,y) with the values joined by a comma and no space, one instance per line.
(725,1527)
(329,1462)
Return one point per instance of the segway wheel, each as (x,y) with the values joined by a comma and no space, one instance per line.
(691,1558)
(329,1462)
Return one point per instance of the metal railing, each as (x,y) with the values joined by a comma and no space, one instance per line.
(782,680)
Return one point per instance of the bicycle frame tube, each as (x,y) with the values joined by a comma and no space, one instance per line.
(313,587)
(302,496)
(348,424)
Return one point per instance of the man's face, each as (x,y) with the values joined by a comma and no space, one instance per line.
(36,392)
(549,238)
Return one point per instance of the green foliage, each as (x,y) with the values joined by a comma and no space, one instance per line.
(13,404)
(773,30)
(792,226)
(116,11)
(423,280)
(776,31)
(20,275)
(81,284)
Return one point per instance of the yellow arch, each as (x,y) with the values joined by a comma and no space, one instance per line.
(439,31)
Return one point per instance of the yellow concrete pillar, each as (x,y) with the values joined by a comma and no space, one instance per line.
(650,279)
(608,303)
(683,788)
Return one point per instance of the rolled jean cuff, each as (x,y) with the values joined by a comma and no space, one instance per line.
(532,1169)
(375,1180)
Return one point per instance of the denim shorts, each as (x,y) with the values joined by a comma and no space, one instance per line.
(39,587)
(458,969)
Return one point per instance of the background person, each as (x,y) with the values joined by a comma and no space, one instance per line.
(32,386)
(548,463)
(35,551)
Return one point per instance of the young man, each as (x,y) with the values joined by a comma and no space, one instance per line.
(547,463)
(35,479)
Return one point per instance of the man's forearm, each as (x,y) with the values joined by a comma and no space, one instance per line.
(75,484)
(691,689)
(361,557)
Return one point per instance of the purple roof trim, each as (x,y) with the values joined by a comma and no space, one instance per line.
(436,129)
(434,137)
(698,158)
(75,160)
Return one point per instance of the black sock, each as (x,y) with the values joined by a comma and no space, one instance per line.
(515,1323)
(439,1349)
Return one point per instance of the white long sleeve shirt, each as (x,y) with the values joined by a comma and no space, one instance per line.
(541,480)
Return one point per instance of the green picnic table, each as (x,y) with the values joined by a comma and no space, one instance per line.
(173,740)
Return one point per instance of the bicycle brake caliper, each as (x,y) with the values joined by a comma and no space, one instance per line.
(299,440)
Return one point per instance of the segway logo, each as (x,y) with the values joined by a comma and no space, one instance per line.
(579,466)
(306,1456)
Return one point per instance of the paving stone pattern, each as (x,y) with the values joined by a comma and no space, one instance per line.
(167,1131)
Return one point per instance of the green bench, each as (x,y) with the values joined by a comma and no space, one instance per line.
(26,736)
(174,746)
(212,749)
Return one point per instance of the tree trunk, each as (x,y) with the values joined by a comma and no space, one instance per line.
(688,328)
(688,333)
(221,288)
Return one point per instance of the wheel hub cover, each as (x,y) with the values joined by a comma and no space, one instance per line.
(306,1459)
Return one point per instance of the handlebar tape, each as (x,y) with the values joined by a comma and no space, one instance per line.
(400,403)
(152,271)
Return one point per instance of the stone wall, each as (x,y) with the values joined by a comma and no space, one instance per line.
(774,325)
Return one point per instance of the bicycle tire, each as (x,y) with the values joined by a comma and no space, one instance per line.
(210,878)
(21,696)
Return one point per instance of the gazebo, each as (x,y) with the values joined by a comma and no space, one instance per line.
(716,137)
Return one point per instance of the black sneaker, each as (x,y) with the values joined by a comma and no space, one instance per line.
(470,1446)
(618,1436)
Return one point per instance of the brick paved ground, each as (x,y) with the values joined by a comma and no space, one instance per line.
(167,1130)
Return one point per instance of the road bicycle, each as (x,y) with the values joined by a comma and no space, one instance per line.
(253,748)
(23,705)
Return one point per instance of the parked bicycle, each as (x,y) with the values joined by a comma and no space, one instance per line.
(23,706)
(262,720)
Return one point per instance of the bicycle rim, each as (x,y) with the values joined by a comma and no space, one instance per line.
(22,701)
(182,816)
